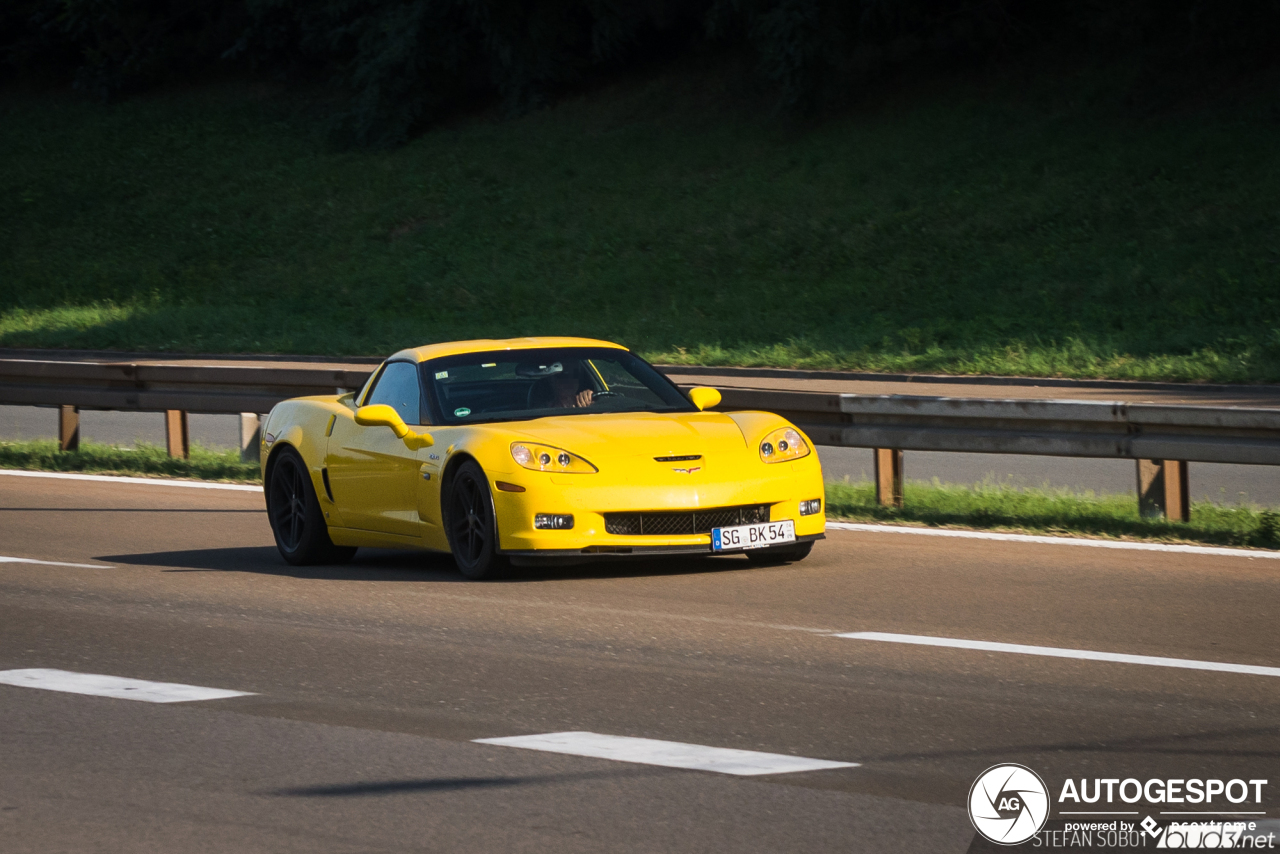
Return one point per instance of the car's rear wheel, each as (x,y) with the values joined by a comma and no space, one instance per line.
(780,554)
(295,515)
(471,527)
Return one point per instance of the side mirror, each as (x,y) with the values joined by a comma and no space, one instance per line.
(704,398)
(381,415)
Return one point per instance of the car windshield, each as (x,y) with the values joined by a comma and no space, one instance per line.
(518,385)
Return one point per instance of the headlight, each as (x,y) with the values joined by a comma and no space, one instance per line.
(546,458)
(783,444)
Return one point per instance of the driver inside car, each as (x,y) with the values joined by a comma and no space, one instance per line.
(568,390)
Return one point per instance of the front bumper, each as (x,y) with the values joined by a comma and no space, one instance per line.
(588,497)
(536,557)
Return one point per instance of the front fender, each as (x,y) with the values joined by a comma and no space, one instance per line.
(302,424)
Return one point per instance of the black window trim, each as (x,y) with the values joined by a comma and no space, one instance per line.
(424,410)
(363,397)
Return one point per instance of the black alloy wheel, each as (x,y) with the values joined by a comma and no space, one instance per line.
(780,554)
(471,528)
(295,515)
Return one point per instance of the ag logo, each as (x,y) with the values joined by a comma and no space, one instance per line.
(1008,804)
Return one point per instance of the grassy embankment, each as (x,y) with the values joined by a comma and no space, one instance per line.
(1010,224)
(991,507)
(992,226)
(144,460)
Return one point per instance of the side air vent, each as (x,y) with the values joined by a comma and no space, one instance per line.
(324,476)
(686,458)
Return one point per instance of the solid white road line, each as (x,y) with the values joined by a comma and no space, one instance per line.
(1053,541)
(840,526)
(670,754)
(4,559)
(113,686)
(151,481)
(1058,652)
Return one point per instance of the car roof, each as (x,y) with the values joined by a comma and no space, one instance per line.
(481,345)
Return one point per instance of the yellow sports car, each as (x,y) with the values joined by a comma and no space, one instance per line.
(534,449)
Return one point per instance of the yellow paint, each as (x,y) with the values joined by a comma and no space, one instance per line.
(704,398)
(484,345)
(599,376)
(382,499)
(381,415)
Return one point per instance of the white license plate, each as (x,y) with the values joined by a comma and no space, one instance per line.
(753,536)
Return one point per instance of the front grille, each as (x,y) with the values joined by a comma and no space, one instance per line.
(684,459)
(666,523)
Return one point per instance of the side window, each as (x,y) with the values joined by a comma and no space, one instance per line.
(398,388)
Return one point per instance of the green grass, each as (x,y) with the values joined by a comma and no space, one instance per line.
(1050,511)
(1040,226)
(145,460)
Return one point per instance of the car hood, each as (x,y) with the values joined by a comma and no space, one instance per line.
(632,434)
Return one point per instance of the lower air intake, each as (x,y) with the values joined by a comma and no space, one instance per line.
(660,523)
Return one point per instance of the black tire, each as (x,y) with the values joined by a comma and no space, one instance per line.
(470,524)
(780,554)
(295,515)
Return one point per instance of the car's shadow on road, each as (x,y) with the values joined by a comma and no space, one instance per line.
(412,566)
(456,784)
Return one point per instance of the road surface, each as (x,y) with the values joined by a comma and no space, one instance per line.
(367,685)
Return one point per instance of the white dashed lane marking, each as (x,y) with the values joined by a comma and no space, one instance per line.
(117,687)
(1058,652)
(670,754)
(4,559)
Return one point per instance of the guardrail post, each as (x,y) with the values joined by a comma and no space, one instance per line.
(250,431)
(888,477)
(1164,490)
(176,433)
(69,428)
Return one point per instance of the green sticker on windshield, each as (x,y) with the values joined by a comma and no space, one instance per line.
(461,412)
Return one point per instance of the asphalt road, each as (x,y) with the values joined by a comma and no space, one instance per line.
(371,680)
(1224,484)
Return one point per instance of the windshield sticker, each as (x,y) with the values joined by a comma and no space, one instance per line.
(461,412)
(442,375)
(489,365)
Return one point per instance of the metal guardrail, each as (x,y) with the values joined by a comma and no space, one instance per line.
(249,390)
(151,387)
(1162,438)
(1064,428)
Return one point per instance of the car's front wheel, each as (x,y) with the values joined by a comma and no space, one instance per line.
(295,515)
(471,527)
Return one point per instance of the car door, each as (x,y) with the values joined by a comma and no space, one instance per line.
(372,473)
(430,471)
